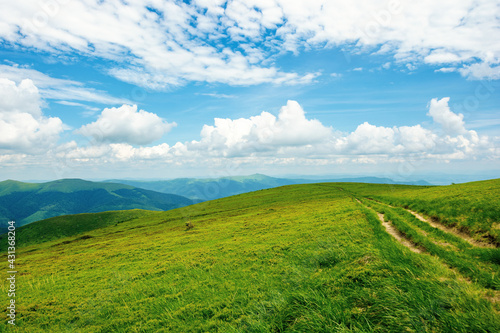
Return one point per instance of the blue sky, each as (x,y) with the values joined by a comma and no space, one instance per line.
(163,89)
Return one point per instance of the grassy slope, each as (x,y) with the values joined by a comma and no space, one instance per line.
(301,258)
(71,225)
(25,202)
(471,207)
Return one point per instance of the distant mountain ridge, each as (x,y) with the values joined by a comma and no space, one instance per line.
(216,188)
(29,202)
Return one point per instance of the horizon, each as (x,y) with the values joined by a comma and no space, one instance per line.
(211,89)
(434,180)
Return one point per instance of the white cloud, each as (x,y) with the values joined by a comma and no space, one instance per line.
(451,122)
(291,136)
(289,140)
(89,110)
(264,132)
(163,50)
(158,44)
(370,139)
(53,88)
(411,67)
(481,71)
(23,127)
(442,58)
(126,125)
(446,70)
(416,139)
(22,98)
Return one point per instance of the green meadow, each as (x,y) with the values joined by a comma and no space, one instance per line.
(473,208)
(299,258)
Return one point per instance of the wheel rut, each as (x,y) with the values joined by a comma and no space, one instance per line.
(452,231)
(491,295)
(391,230)
(396,234)
(444,228)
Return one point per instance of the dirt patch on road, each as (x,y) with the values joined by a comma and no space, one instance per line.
(396,234)
(391,230)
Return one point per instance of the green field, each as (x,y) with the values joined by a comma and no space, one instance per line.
(473,208)
(300,258)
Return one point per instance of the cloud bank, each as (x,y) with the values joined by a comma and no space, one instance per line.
(124,137)
(291,138)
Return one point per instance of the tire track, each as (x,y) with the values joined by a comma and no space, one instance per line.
(398,235)
(443,227)
(491,295)
(391,230)
(452,231)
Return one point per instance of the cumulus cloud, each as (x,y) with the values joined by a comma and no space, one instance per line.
(263,132)
(126,124)
(291,137)
(158,44)
(416,138)
(446,70)
(22,98)
(451,122)
(23,127)
(369,139)
(288,139)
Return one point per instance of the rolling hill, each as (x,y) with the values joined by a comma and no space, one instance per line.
(324,257)
(210,188)
(28,202)
(215,188)
(472,208)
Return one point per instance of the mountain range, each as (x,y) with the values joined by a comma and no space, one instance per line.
(216,188)
(29,202)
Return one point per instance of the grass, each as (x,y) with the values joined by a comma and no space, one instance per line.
(65,226)
(304,258)
(479,265)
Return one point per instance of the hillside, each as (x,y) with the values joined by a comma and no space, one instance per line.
(301,258)
(26,202)
(215,188)
(472,208)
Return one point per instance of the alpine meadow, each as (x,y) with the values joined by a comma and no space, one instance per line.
(298,258)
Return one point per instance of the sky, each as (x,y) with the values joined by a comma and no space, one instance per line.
(209,88)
